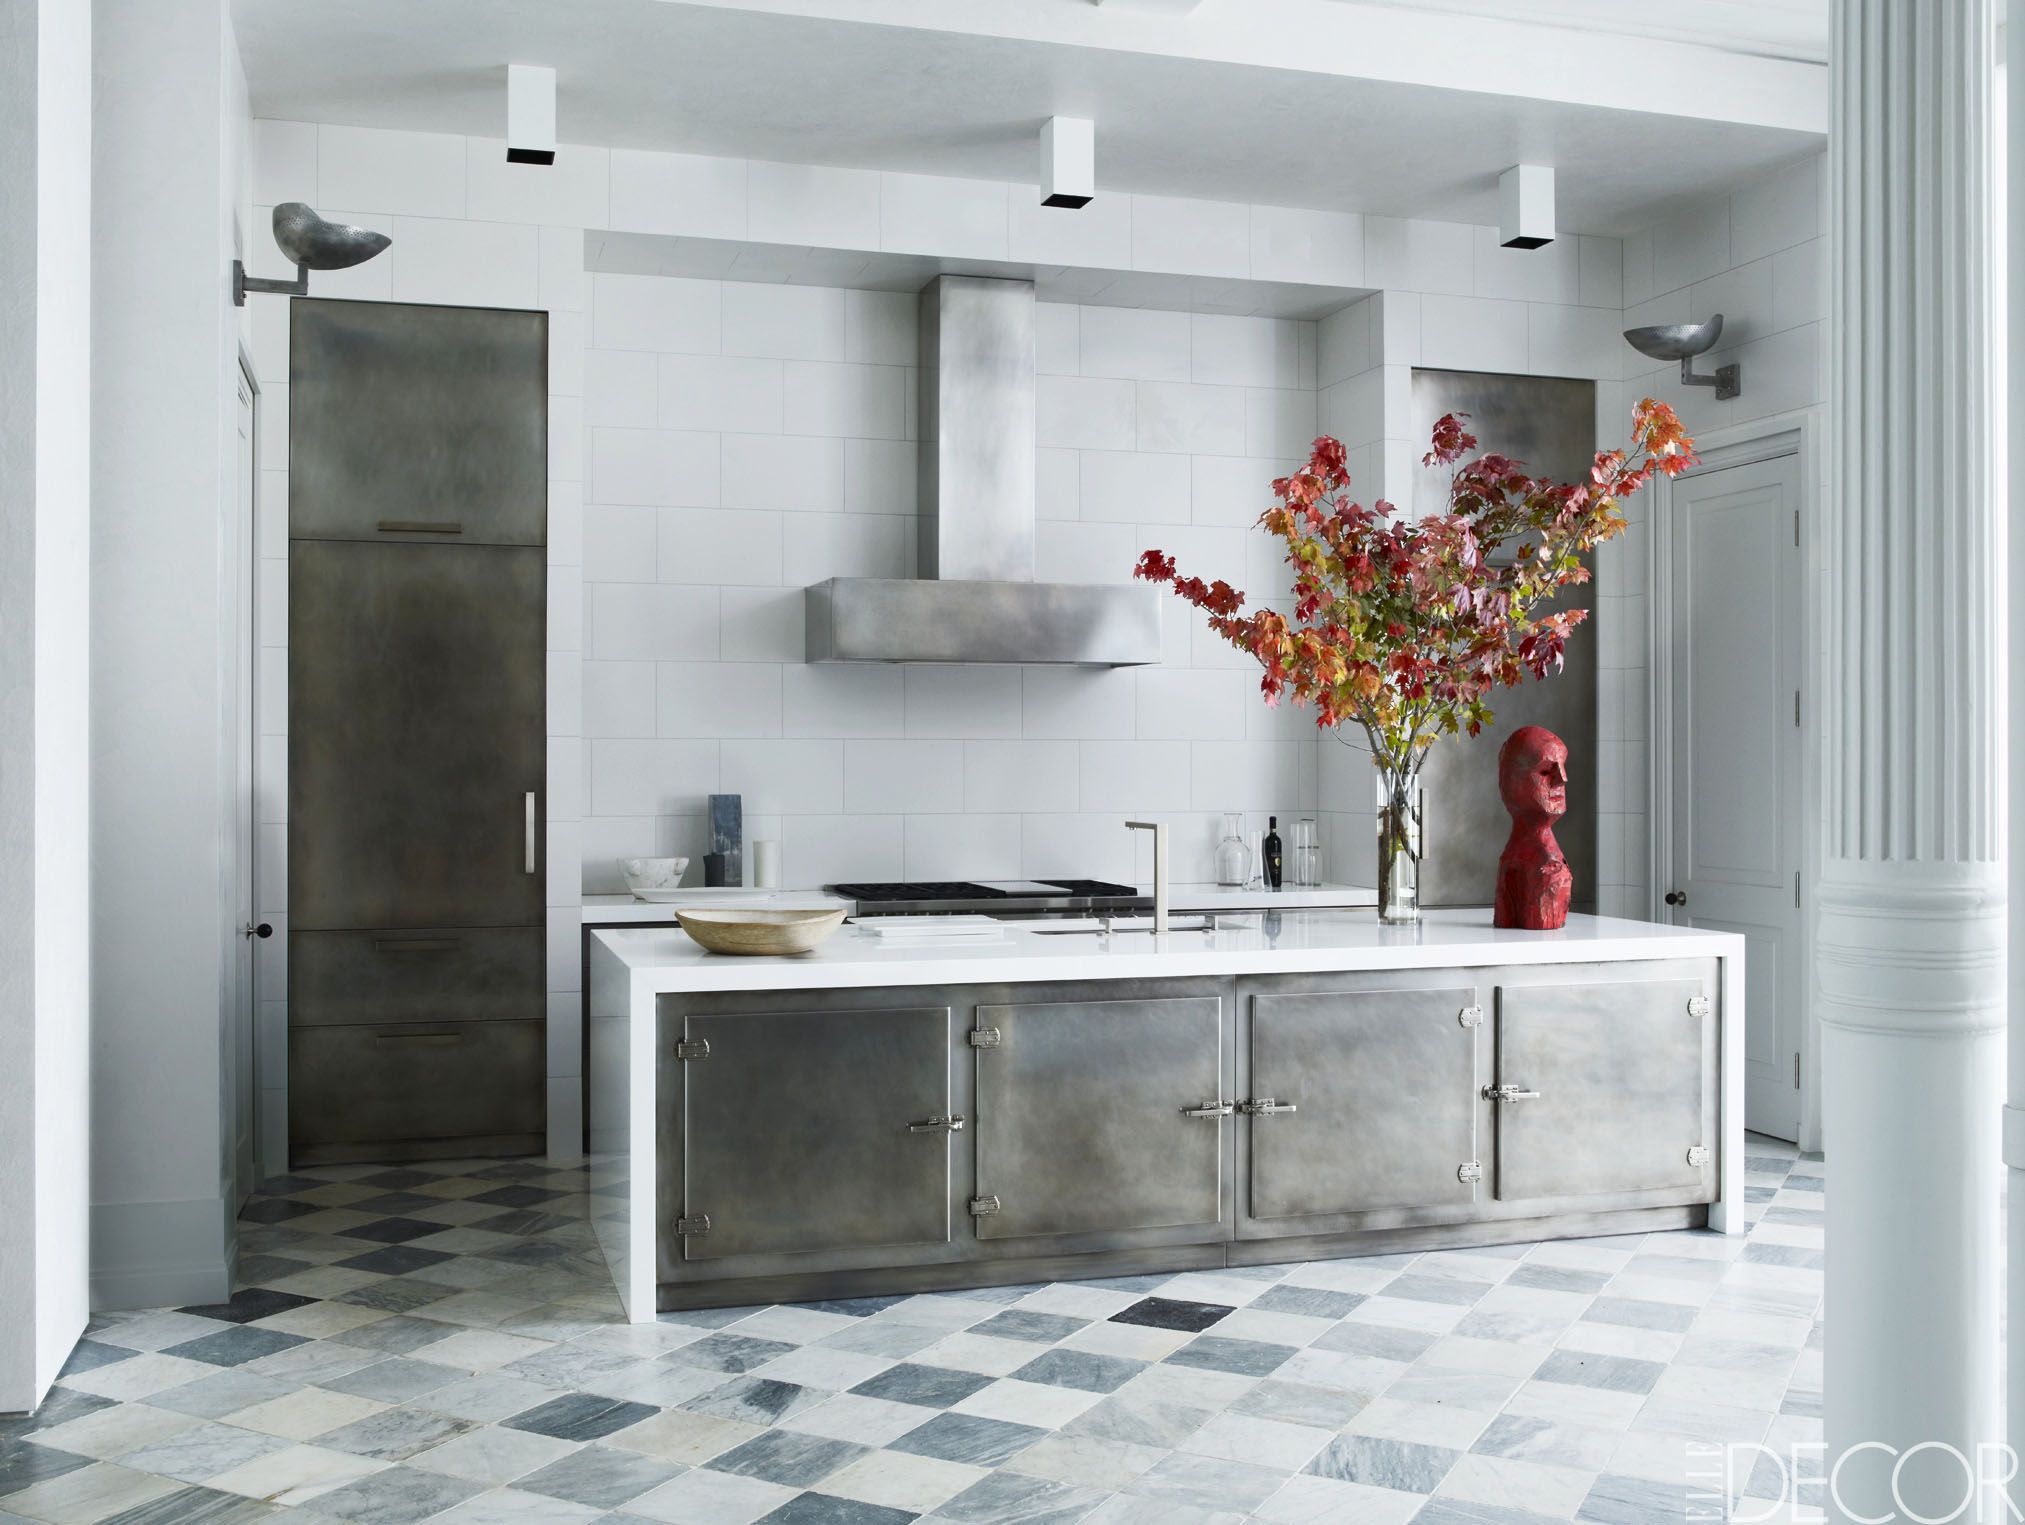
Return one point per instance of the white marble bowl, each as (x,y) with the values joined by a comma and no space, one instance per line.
(653,878)
(727,930)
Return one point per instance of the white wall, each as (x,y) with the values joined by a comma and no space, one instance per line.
(45,417)
(168,125)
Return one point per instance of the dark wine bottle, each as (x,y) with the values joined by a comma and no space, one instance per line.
(1272,852)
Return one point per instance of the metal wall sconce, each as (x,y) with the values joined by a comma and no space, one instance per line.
(1682,342)
(313,243)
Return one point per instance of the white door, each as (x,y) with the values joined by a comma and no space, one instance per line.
(239,1028)
(1735,751)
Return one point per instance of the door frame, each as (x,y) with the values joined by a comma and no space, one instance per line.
(245,849)
(1799,433)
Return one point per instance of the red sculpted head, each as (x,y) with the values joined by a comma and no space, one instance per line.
(1533,774)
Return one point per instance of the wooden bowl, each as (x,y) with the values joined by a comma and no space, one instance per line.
(728,930)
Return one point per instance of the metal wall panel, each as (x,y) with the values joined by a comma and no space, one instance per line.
(1082,1124)
(1549,423)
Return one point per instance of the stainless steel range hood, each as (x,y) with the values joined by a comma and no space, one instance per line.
(976,599)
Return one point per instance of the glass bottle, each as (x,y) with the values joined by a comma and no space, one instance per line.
(1307,854)
(1230,853)
(1275,864)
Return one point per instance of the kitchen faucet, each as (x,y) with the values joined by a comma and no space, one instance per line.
(1159,830)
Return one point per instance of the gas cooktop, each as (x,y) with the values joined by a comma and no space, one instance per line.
(1003,896)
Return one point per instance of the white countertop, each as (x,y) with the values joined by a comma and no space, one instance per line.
(605,910)
(662,960)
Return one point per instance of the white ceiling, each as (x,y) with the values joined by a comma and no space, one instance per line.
(1770,28)
(811,81)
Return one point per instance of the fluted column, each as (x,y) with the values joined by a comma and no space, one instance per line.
(1910,940)
(2014,1116)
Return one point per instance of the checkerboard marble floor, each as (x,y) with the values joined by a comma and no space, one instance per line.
(443,1343)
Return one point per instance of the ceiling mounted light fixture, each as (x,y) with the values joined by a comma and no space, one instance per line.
(1682,342)
(530,114)
(1068,161)
(313,242)
(1526,206)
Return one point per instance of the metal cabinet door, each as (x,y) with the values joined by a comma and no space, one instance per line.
(398,1085)
(1385,1090)
(417,423)
(1081,1121)
(796,1131)
(417,703)
(1621,1068)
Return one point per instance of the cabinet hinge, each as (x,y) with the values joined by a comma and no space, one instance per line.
(983,1207)
(1698,1006)
(700,1224)
(1469,1172)
(982,1037)
(1471,1016)
(1698,1155)
(693,1048)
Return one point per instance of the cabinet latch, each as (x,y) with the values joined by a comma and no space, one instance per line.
(1471,1016)
(1509,1093)
(700,1224)
(982,1037)
(1698,1155)
(1469,1172)
(950,1124)
(983,1207)
(693,1048)
(1210,1109)
(1698,1006)
(1265,1106)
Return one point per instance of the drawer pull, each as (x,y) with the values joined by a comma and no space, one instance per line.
(418,944)
(420,527)
(432,1040)
(529,830)
(1210,1109)
(951,1124)
(1509,1093)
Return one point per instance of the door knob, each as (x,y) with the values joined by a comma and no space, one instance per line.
(263,930)
(1676,897)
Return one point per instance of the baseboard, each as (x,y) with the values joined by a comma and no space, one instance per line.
(161,1254)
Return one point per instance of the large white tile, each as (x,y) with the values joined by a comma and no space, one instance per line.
(620,389)
(1097,236)
(1244,352)
(678,193)
(962,847)
(1126,486)
(1087,702)
(1232,490)
(1172,233)
(761,624)
(565,524)
(856,401)
(284,162)
(1072,551)
(566,439)
(806,204)
(1279,423)
(656,312)
(1473,334)
(564,285)
(1020,775)
(1058,487)
(1691,243)
(879,476)
(895,777)
(661,466)
(962,700)
(720,545)
(1743,294)
(721,394)
(938,214)
(827,849)
(1141,344)
(846,545)
(568,342)
(1800,284)
(1777,212)
(565,677)
(881,327)
(652,778)
(794,472)
(783,322)
(418,174)
(1601,263)
(1413,254)
(652,621)
(1345,342)
(1085,846)
(1245,775)
(1134,775)
(839,699)
(1058,338)
(1190,419)
(1551,273)
(1575,341)
(477,264)
(1085,413)
(573,192)
(1193,706)
(718,699)
(786,777)
(1310,247)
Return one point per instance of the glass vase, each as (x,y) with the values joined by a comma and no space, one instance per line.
(1231,857)
(1400,834)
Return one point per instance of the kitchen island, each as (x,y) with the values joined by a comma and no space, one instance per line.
(869,1119)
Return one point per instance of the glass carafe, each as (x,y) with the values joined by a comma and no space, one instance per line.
(1232,859)
(1307,864)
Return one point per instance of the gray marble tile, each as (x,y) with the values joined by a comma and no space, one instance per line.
(1449,1511)
(1437,1289)
(397,1496)
(935,1387)
(235,1345)
(1581,1368)
(880,1337)
(1008,1498)
(1029,1324)
(1378,1341)
(604,1477)
(397,1336)
(1324,1408)
(1522,1437)
(62,1405)
(1140,1422)
(1638,1501)
(1633,1313)
(788,1457)
(200,1454)
(580,1416)
(1558,1279)
(395,1380)
(394,1434)
(824,1509)
(397,1294)
(1380,1463)
(24,1463)
(968,1438)
(1311,1302)
(733,1353)
(1209,1482)
(756,1400)
(1080,1369)
(194,1506)
(1244,1358)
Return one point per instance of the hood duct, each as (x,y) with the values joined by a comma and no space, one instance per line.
(976,599)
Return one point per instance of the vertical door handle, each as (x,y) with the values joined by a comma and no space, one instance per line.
(530,831)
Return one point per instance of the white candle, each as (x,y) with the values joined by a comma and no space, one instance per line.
(766,865)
